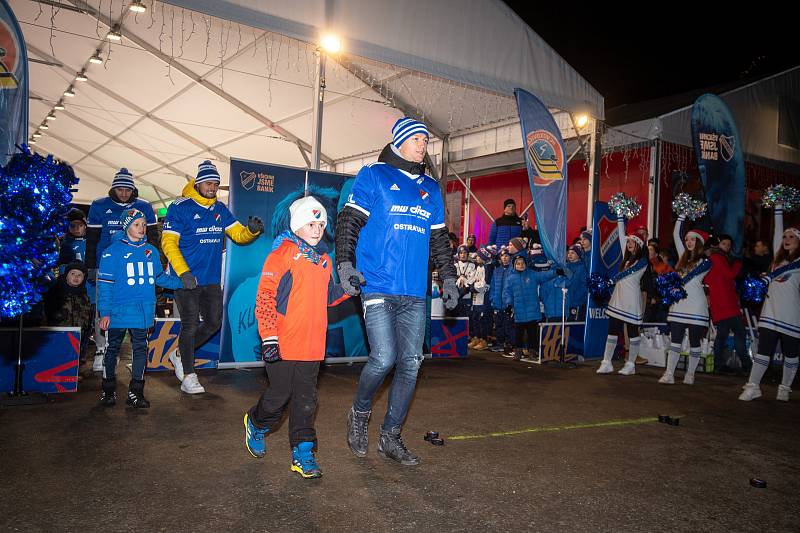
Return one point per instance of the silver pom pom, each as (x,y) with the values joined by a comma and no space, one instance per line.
(624,206)
(690,208)
(782,194)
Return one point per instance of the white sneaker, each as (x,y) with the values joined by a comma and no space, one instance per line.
(628,370)
(190,385)
(751,392)
(605,368)
(783,393)
(688,379)
(667,379)
(97,365)
(528,359)
(177,364)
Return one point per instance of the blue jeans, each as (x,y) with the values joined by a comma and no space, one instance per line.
(139,345)
(395,330)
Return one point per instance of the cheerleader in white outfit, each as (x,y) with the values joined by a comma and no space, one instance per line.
(780,316)
(625,308)
(691,312)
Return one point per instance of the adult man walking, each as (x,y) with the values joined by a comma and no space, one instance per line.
(192,241)
(105,219)
(392,223)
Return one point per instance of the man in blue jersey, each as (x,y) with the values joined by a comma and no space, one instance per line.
(391,225)
(193,237)
(105,219)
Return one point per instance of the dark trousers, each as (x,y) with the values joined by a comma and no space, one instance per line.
(529,330)
(292,383)
(618,327)
(768,343)
(504,328)
(139,349)
(724,327)
(205,301)
(480,321)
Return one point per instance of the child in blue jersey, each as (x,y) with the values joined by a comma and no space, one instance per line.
(521,294)
(73,245)
(503,323)
(578,283)
(129,271)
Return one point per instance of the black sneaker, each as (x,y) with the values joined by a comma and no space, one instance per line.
(357,435)
(108,399)
(391,446)
(136,397)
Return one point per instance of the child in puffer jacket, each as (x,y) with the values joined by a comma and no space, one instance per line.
(127,277)
(521,294)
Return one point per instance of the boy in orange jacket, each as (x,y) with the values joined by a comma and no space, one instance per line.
(295,289)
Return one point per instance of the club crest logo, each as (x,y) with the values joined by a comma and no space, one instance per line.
(424,195)
(546,156)
(248,179)
(217,216)
(727,147)
(608,241)
(316,213)
(9,56)
(148,253)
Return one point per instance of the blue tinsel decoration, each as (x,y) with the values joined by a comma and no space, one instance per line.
(33,208)
(600,287)
(753,289)
(670,288)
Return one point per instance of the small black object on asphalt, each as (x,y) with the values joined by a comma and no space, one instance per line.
(664,419)
(431,435)
(758,483)
(437,442)
(674,421)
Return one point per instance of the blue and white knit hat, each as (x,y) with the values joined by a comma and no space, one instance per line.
(128,216)
(123,178)
(206,171)
(405,128)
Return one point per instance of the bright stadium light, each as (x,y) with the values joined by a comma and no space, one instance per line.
(331,44)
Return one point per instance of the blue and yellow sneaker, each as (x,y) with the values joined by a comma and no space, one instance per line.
(254,438)
(304,462)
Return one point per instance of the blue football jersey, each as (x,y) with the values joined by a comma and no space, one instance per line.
(106,214)
(394,245)
(202,233)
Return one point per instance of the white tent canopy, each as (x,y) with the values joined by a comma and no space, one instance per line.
(182,86)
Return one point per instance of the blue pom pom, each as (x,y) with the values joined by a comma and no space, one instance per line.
(33,208)
(670,288)
(753,289)
(601,288)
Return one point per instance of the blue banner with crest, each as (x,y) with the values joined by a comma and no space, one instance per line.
(13,84)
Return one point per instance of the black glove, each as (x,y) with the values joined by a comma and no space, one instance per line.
(509,309)
(255,225)
(188,280)
(560,272)
(270,351)
(350,279)
(450,294)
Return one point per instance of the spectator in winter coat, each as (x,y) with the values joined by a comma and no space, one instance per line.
(73,245)
(503,324)
(507,226)
(67,305)
(521,295)
(530,235)
(586,243)
(480,320)
(578,283)
(471,246)
(129,271)
(723,300)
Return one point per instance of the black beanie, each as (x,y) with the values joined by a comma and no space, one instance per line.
(509,201)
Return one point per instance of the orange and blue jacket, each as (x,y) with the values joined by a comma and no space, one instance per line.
(292,301)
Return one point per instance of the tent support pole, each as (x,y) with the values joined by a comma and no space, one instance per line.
(595,156)
(319,104)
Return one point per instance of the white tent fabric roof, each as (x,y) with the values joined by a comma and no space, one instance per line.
(183,86)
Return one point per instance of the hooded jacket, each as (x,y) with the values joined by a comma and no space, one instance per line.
(522,293)
(65,305)
(192,238)
(721,282)
(126,280)
(504,229)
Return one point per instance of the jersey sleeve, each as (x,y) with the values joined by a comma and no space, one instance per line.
(149,214)
(362,195)
(95,218)
(173,222)
(437,217)
(228,220)
(275,267)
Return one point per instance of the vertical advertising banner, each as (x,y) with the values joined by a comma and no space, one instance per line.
(720,160)
(267,191)
(606,257)
(13,84)
(547,173)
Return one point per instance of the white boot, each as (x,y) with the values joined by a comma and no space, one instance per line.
(783,393)
(175,359)
(630,363)
(691,367)
(606,367)
(672,362)
(190,385)
(751,392)
(629,369)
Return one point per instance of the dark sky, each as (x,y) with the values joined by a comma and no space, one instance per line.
(649,50)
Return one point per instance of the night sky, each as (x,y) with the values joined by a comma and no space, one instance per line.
(668,50)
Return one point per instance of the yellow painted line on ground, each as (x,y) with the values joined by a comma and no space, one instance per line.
(547,429)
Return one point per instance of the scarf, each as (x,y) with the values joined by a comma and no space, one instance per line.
(389,157)
(309,252)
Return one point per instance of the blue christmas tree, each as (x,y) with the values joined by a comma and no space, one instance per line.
(36,194)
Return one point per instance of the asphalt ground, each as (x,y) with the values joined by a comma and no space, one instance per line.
(548,450)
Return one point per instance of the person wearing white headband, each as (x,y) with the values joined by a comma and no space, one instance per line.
(625,309)
(780,317)
(690,313)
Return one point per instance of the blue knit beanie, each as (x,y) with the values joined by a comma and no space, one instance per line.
(407,127)
(123,178)
(206,171)
(128,216)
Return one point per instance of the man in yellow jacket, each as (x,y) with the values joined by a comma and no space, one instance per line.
(192,240)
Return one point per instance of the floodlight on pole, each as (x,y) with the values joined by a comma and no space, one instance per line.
(331,44)
(582,120)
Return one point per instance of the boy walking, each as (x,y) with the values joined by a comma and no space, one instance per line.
(129,271)
(295,289)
